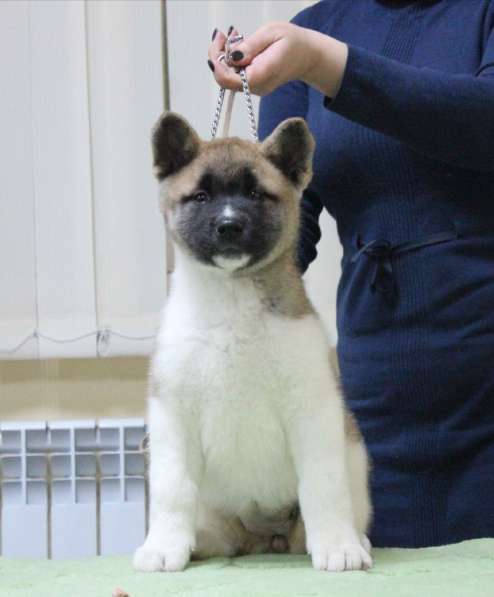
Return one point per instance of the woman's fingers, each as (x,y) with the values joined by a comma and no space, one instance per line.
(218,43)
(255,54)
(233,33)
(276,53)
(217,46)
(262,76)
(225,76)
(244,52)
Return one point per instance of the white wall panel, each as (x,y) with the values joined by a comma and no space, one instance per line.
(126,98)
(17,265)
(321,279)
(62,176)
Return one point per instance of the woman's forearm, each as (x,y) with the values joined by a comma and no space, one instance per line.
(448,117)
(444,116)
(327,64)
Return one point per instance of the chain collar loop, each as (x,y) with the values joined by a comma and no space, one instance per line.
(246,92)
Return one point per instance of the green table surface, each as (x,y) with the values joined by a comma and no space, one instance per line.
(461,570)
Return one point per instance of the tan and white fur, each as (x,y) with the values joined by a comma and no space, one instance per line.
(251,447)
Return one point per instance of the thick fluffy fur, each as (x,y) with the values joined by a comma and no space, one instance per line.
(250,449)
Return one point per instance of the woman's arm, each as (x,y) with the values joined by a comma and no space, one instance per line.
(446,117)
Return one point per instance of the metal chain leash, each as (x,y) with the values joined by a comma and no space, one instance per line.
(250,107)
(217,112)
(246,92)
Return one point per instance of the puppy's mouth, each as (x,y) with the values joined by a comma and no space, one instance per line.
(231,260)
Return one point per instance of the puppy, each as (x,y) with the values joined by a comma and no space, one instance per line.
(247,424)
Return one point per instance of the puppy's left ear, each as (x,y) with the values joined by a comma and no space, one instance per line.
(290,148)
(175,144)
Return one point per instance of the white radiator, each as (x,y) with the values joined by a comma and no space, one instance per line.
(72,488)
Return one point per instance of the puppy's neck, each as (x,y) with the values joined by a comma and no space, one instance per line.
(281,285)
(276,288)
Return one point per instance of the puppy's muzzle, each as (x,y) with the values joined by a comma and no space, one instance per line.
(230,231)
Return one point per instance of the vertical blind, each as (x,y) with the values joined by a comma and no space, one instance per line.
(82,247)
(81,244)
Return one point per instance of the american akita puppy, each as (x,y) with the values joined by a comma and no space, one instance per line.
(246,419)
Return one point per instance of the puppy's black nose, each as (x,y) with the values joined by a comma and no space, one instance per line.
(229,229)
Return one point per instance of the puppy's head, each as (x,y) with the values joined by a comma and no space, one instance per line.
(230,203)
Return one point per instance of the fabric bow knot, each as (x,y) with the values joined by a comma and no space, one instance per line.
(381,252)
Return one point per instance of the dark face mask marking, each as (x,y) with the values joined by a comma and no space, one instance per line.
(229,215)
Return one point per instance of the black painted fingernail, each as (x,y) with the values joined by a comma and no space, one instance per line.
(237,55)
(230,30)
(211,66)
(214,34)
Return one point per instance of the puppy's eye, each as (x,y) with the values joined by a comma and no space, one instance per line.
(256,195)
(200,197)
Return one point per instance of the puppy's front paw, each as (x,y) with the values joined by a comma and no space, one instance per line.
(366,544)
(337,558)
(152,559)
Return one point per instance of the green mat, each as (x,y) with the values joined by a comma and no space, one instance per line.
(462,570)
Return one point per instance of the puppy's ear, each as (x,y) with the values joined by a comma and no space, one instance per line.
(290,148)
(175,144)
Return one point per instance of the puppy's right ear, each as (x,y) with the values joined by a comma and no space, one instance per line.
(175,144)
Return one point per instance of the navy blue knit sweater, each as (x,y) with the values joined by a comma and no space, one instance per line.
(405,163)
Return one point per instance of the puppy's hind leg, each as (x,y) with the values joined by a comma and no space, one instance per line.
(214,536)
(226,536)
(296,537)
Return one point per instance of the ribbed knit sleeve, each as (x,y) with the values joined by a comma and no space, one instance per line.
(443,116)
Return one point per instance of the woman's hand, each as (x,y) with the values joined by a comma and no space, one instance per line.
(279,52)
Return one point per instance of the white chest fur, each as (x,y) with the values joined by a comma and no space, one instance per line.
(246,418)
(238,371)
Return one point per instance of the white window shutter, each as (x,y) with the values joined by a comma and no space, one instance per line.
(17,249)
(126,99)
(81,241)
(62,177)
